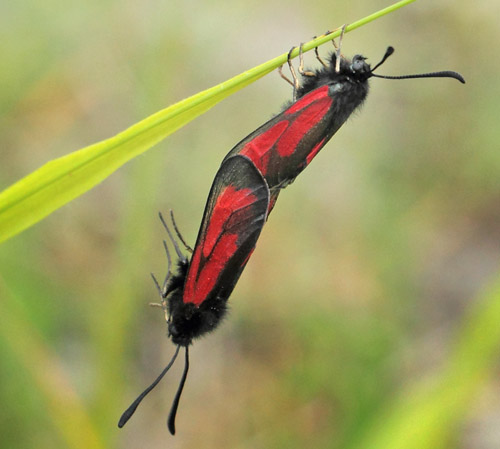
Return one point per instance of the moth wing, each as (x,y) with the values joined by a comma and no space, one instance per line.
(235,213)
(282,147)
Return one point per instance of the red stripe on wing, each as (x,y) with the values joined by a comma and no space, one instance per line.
(257,150)
(306,100)
(218,246)
(302,124)
(247,258)
(197,290)
(314,151)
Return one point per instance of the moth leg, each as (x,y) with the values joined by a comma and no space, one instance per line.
(338,49)
(316,52)
(280,71)
(292,70)
(318,57)
(341,34)
(296,83)
(301,62)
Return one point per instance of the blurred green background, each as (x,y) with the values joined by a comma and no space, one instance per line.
(368,316)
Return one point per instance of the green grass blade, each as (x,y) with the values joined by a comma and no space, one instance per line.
(56,183)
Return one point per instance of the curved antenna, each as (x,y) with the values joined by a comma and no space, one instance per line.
(179,233)
(178,251)
(130,411)
(175,404)
(443,74)
(388,52)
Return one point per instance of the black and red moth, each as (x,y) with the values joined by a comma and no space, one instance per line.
(243,194)
(195,298)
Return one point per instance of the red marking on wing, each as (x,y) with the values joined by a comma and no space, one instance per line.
(217,247)
(306,100)
(306,120)
(247,258)
(314,152)
(257,150)
(197,290)
(230,200)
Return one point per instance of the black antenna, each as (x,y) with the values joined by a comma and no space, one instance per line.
(130,411)
(176,246)
(443,74)
(182,257)
(388,52)
(175,404)
(179,233)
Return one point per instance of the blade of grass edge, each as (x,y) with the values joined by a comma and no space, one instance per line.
(59,181)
